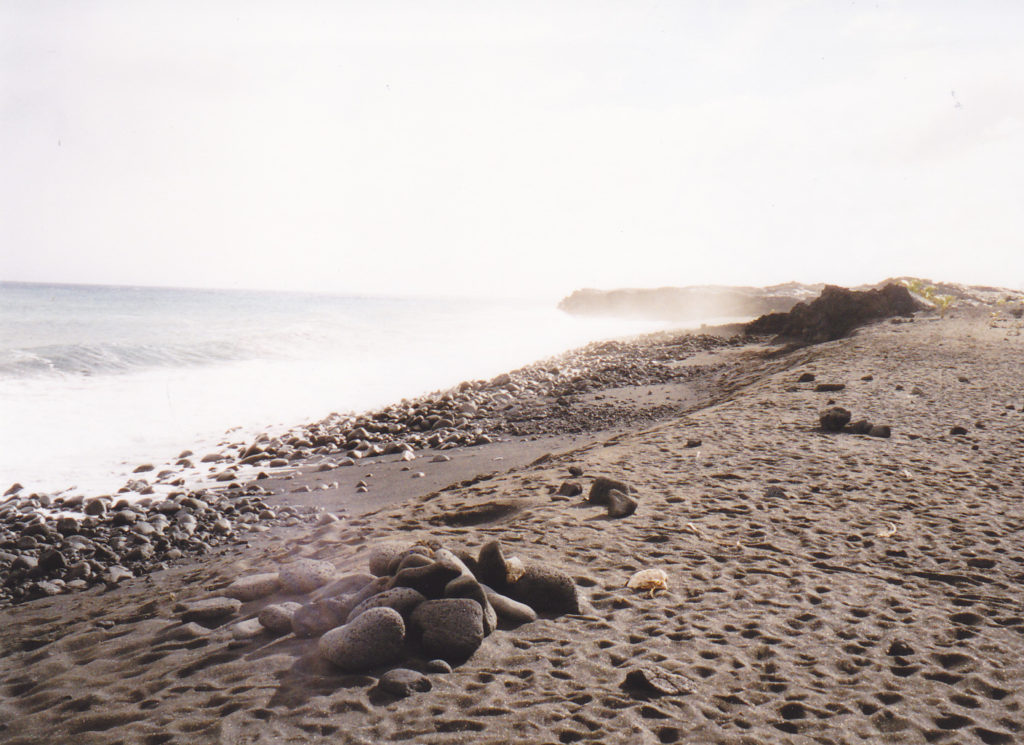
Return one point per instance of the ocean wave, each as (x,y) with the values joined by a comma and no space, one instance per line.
(109,358)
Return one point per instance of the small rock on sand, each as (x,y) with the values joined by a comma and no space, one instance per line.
(374,639)
(620,504)
(403,682)
(834,418)
(210,609)
(600,488)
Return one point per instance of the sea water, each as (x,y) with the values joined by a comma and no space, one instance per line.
(95,380)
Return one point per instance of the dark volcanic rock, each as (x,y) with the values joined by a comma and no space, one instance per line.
(401,599)
(835,313)
(546,590)
(600,488)
(374,639)
(452,629)
(620,504)
(834,419)
(403,682)
(491,567)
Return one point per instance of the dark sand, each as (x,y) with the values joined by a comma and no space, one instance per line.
(877,598)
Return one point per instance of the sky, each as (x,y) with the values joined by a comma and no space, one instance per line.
(510,148)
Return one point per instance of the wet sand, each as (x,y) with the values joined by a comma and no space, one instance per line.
(822,588)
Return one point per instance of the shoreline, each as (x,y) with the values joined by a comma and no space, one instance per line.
(350,465)
(820,586)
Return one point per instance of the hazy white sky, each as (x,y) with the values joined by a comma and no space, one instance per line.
(510,148)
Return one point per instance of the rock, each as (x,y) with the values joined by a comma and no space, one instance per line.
(694,442)
(575,471)
(253,587)
(491,567)
(438,666)
(318,617)
(144,468)
(834,419)
(620,504)
(210,609)
(374,639)
(50,588)
(246,630)
(466,586)
(860,427)
(430,580)
(348,584)
(899,648)
(510,611)
(305,575)
(278,617)
(13,489)
(600,488)
(452,629)
(806,378)
(774,492)
(958,430)
(546,590)
(651,681)
(95,507)
(222,525)
(880,430)
(116,574)
(402,599)
(382,555)
(570,489)
(52,560)
(829,387)
(403,682)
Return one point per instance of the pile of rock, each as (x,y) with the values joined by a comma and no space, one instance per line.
(50,546)
(418,602)
(837,419)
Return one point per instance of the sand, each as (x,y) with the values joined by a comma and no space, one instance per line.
(873,596)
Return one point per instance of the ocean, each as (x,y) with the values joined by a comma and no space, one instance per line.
(95,380)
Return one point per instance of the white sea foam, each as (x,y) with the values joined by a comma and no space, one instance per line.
(95,380)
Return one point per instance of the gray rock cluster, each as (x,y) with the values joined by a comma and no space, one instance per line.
(420,603)
(49,546)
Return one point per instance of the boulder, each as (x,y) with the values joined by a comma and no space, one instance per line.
(403,682)
(278,617)
(210,609)
(430,580)
(305,575)
(313,619)
(402,599)
(600,488)
(467,586)
(491,566)
(546,590)
(509,611)
(374,639)
(253,587)
(834,418)
(620,504)
(452,629)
